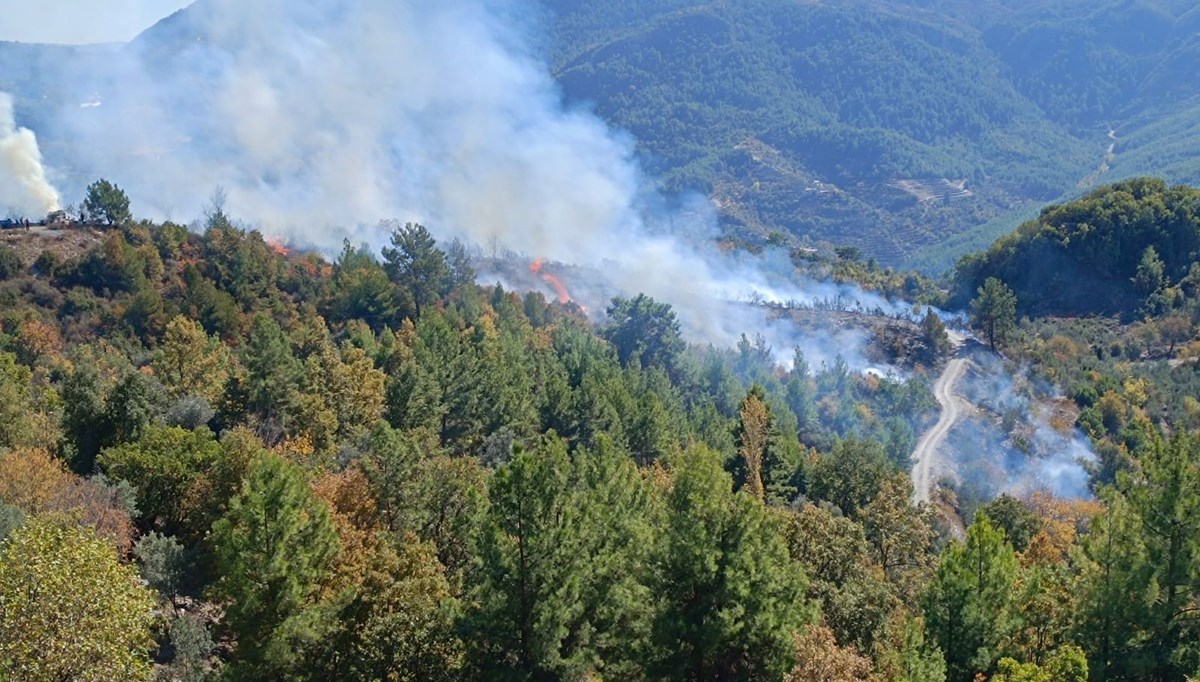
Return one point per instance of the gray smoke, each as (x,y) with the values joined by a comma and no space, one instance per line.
(24,189)
(321,118)
(1014,446)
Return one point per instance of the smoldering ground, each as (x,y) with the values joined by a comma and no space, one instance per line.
(1019,441)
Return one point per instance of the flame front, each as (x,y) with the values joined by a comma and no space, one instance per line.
(564,296)
(278,246)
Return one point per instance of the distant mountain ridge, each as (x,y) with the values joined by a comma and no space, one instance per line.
(855,98)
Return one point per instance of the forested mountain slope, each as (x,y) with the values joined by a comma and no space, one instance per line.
(373,468)
(1124,249)
(857,121)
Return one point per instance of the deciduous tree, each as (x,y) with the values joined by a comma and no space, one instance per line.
(69,610)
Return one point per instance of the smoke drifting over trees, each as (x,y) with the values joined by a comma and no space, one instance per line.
(321,118)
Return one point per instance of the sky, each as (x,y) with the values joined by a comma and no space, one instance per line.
(81,21)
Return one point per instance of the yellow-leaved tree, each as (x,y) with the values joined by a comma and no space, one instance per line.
(69,610)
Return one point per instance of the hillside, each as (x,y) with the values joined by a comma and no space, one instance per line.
(1090,256)
(846,121)
(399,451)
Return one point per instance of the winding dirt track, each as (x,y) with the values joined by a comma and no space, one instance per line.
(925,458)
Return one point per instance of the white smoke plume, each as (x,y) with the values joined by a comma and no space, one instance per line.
(1029,454)
(24,189)
(322,117)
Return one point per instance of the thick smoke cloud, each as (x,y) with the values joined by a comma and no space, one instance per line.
(319,118)
(24,189)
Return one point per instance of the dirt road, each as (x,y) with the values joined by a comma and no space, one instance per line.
(927,462)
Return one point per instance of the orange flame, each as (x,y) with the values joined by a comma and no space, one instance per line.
(278,246)
(564,296)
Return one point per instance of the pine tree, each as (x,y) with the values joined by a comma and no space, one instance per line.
(415,264)
(561,586)
(994,311)
(271,549)
(968,610)
(272,371)
(730,597)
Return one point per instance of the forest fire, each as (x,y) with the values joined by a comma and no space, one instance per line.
(564,297)
(278,246)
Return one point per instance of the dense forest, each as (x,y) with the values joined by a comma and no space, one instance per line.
(220,459)
(1123,249)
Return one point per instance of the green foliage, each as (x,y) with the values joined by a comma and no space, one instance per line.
(933,332)
(68,609)
(272,548)
(528,496)
(407,619)
(10,263)
(1067,665)
(645,333)
(1018,522)
(994,311)
(83,413)
(968,607)
(163,563)
(193,646)
(169,467)
(850,476)
(730,597)
(362,290)
(1144,547)
(843,578)
(1150,274)
(551,598)
(108,202)
(916,660)
(1085,256)
(271,371)
(19,425)
(415,264)
(190,363)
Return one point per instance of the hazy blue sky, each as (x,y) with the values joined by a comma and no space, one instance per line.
(81,21)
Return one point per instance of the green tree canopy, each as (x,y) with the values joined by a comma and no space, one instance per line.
(645,332)
(730,597)
(417,266)
(108,202)
(968,610)
(272,549)
(994,311)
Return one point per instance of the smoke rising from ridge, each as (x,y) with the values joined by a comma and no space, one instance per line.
(322,117)
(24,189)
